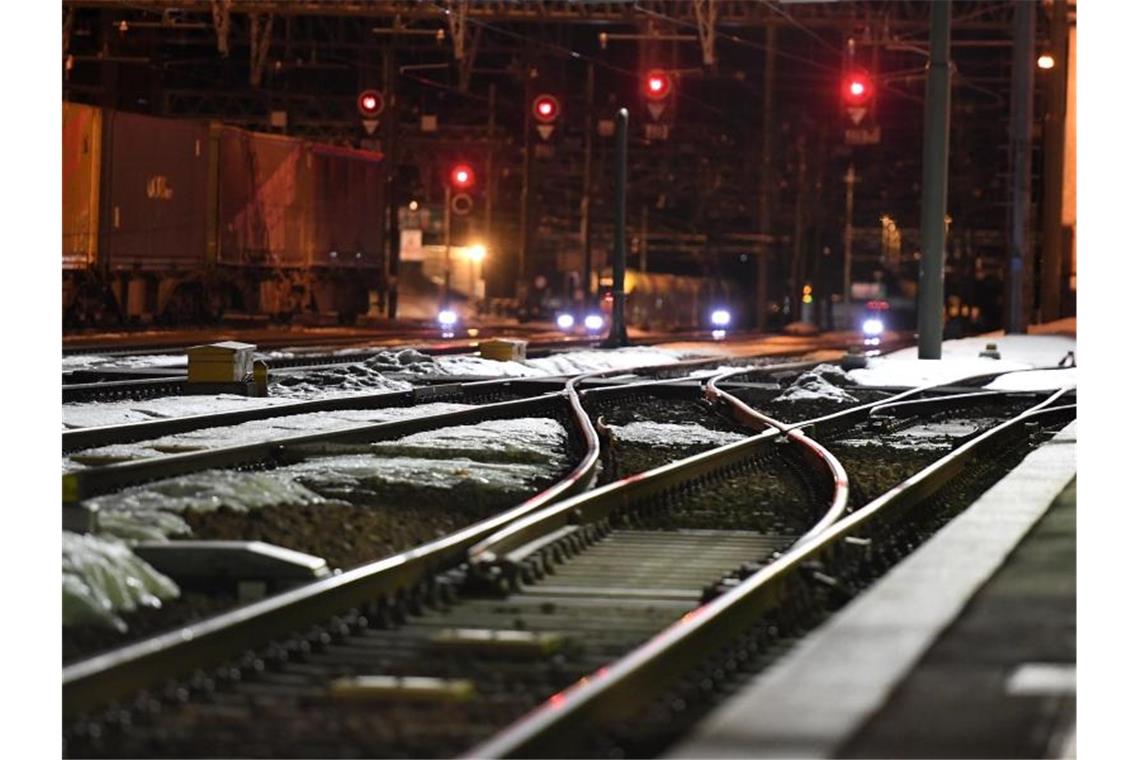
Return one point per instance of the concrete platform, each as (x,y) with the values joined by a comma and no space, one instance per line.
(966,649)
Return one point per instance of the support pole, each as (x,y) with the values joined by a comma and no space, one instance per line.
(1053,170)
(523,282)
(391,167)
(618,335)
(935,152)
(1020,139)
(767,177)
(445,299)
(585,229)
(795,277)
(848,180)
(489,172)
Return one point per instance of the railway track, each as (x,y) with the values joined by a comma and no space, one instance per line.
(459,637)
(365,519)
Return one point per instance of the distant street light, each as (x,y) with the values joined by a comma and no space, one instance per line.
(1045,61)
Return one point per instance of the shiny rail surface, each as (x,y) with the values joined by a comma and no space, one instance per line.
(615,692)
(106,677)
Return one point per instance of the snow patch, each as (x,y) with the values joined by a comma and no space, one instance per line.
(533,440)
(102,577)
(99,413)
(253,431)
(673,434)
(335,380)
(104,362)
(816,385)
(344,477)
(499,454)
(960,360)
(1036,380)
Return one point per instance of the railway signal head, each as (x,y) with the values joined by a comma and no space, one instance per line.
(370,103)
(857,89)
(462,177)
(546,108)
(657,84)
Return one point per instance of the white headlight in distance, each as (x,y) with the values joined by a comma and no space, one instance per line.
(594,322)
(721,317)
(873,327)
(447,317)
(565,321)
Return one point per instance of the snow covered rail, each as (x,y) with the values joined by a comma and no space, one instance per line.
(618,700)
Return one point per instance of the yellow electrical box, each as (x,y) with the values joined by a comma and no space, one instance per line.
(225,362)
(503,349)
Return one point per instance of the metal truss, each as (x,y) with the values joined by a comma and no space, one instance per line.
(906,16)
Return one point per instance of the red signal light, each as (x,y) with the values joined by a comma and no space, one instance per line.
(657,84)
(462,176)
(856,89)
(370,103)
(546,108)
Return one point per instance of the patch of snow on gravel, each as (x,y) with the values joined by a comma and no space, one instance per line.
(252,432)
(334,380)
(340,477)
(508,454)
(102,361)
(673,434)
(533,440)
(102,577)
(815,385)
(99,413)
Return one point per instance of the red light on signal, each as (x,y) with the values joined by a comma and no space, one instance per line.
(657,84)
(462,177)
(370,103)
(856,89)
(546,108)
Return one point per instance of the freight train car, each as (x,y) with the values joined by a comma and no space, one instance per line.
(180,221)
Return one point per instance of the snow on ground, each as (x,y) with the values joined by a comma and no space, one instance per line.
(573,362)
(336,380)
(702,373)
(350,474)
(1033,350)
(142,361)
(960,359)
(251,432)
(527,439)
(102,577)
(672,434)
(358,378)
(98,413)
(1036,380)
(816,385)
(496,455)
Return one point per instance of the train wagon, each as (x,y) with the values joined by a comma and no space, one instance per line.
(181,221)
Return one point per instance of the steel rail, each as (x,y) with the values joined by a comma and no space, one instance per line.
(104,678)
(493,552)
(616,690)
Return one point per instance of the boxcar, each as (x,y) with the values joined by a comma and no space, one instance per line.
(182,221)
